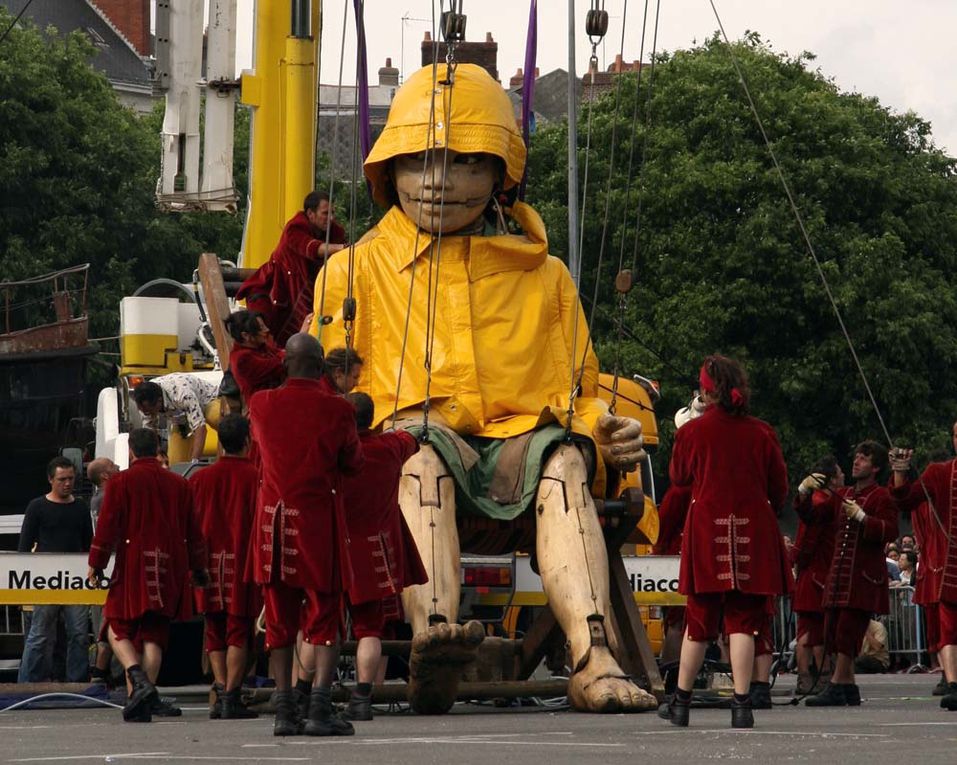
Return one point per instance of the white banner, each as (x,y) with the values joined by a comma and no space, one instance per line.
(45,578)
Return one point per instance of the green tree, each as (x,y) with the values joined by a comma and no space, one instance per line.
(721,265)
(78,175)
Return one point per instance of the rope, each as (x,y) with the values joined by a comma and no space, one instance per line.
(332,168)
(623,295)
(349,304)
(575,382)
(817,263)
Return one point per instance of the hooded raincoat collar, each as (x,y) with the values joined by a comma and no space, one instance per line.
(488,255)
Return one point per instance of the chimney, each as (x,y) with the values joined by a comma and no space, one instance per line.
(618,66)
(517,79)
(388,74)
(485,54)
(132,19)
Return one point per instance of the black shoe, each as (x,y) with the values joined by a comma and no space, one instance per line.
(216,709)
(323,719)
(941,688)
(302,703)
(359,709)
(676,712)
(741,714)
(287,721)
(233,707)
(853,695)
(760,695)
(832,696)
(138,705)
(163,708)
(949,700)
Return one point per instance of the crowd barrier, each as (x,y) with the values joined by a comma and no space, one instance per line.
(906,629)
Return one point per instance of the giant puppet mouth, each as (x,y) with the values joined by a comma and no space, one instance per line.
(447,204)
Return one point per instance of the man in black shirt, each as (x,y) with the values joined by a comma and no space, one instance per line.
(57,522)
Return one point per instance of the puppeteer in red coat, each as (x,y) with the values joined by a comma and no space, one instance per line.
(257,368)
(147,519)
(738,480)
(282,288)
(224,496)
(385,559)
(307,440)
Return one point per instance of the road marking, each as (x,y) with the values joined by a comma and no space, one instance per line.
(752,732)
(24,727)
(65,758)
(166,756)
(907,724)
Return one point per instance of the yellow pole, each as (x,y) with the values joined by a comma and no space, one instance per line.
(281,92)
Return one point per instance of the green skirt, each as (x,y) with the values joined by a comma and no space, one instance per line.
(495,477)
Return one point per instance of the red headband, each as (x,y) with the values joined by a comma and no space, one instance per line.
(708,386)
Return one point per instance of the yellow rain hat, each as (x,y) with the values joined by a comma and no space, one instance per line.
(472,115)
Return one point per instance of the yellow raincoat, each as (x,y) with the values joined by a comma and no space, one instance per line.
(507,314)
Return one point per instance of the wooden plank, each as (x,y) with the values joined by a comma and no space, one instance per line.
(636,656)
(217,305)
(535,644)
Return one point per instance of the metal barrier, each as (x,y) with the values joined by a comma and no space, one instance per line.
(785,631)
(906,633)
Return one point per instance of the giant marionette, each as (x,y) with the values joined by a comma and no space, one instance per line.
(473,335)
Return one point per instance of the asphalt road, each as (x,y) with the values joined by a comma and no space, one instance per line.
(899,721)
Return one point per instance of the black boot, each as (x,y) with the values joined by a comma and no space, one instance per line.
(300,695)
(233,707)
(216,708)
(360,703)
(741,714)
(949,700)
(939,690)
(323,719)
(287,721)
(164,708)
(137,707)
(853,694)
(676,711)
(760,695)
(832,696)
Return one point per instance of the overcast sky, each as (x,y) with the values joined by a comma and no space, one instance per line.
(901,51)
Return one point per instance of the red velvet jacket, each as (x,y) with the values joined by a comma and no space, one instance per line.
(147,518)
(738,483)
(812,553)
(283,285)
(384,556)
(858,573)
(933,548)
(939,546)
(256,368)
(307,440)
(672,514)
(224,495)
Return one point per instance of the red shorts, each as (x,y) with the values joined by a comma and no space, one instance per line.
(150,627)
(368,619)
(764,640)
(846,628)
(741,613)
(932,625)
(286,614)
(224,630)
(674,617)
(811,623)
(947,617)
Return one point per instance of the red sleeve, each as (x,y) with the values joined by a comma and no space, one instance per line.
(680,468)
(194,534)
(880,522)
(777,474)
(909,496)
(301,243)
(256,370)
(672,513)
(351,458)
(107,524)
(408,445)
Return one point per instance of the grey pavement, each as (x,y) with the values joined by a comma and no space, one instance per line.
(898,721)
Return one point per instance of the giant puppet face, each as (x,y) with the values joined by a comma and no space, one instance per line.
(445,147)
(445,191)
